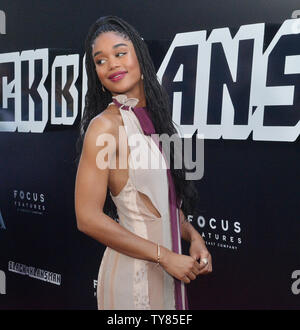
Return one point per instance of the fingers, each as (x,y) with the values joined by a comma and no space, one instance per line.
(206,265)
(198,268)
(186,279)
(190,276)
(201,268)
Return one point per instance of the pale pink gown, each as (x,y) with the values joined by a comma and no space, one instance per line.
(126,283)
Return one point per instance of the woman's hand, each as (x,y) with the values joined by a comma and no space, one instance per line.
(198,248)
(184,268)
(198,251)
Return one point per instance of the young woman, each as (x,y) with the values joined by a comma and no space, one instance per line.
(142,266)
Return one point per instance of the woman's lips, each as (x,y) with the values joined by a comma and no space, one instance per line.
(117,76)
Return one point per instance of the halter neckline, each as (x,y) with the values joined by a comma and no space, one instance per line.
(129,102)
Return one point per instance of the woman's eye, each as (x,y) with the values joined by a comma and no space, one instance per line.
(100,61)
(118,54)
(121,53)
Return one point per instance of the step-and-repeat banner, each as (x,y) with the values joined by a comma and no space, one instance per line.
(232,73)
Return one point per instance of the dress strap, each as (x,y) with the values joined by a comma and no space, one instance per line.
(142,113)
(124,102)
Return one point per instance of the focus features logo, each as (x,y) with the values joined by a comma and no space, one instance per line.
(27,201)
(95,283)
(2,22)
(220,233)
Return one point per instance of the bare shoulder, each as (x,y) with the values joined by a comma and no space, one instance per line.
(105,122)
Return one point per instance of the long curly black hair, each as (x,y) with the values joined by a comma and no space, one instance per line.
(157,103)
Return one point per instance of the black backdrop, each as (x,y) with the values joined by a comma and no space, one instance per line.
(249,192)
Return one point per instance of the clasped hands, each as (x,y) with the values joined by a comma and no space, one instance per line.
(199,252)
(187,268)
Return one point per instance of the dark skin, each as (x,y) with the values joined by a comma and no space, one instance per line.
(112,54)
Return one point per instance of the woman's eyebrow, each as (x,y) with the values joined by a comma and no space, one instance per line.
(114,46)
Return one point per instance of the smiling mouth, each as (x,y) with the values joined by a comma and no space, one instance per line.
(117,76)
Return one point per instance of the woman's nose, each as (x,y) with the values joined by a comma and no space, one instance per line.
(113,63)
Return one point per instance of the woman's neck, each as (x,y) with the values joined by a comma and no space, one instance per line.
(137,93)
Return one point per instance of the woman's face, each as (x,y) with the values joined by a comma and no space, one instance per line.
(117,65)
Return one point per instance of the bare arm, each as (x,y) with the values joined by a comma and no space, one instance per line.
(198,249)
(188,232)
(90,194)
